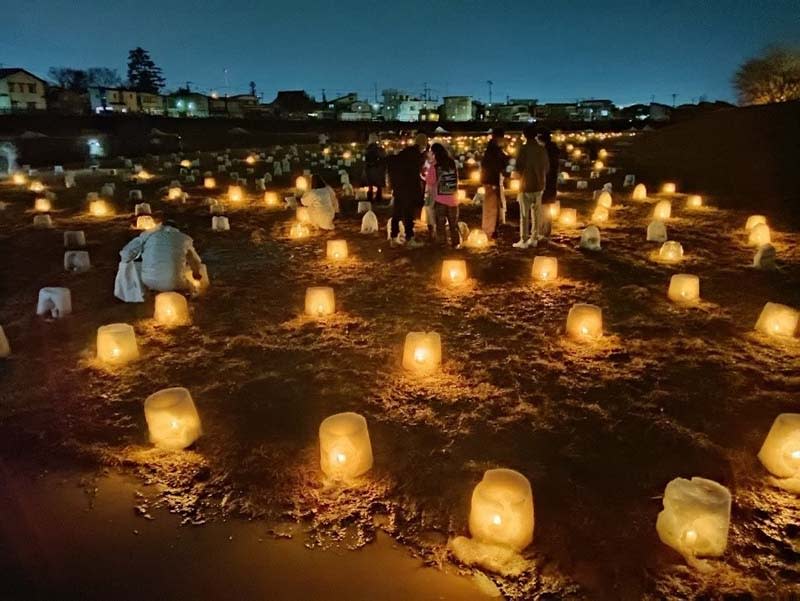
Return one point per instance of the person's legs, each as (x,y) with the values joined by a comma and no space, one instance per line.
(378,193)
(397,215)
(408,220)
(369,192)
(452,218)
(525,215)
(537,231)
(441,215)
(490,205)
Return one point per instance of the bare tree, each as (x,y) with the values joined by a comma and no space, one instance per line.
(104,77)
(774,76)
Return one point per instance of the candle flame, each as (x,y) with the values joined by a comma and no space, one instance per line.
(420,354)
(341,458)
(796,454)
(584,330)
(115,352)
(497,520)
(174,424)
(690,537)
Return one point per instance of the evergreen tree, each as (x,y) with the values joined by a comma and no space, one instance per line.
(143,74)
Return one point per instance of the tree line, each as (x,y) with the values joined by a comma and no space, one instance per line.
(143,75)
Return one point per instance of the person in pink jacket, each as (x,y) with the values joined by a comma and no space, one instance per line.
(441,187)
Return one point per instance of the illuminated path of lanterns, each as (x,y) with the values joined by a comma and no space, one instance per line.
(587,343)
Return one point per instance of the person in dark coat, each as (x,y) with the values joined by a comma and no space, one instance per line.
(408,186)
(375,168)
(552,174)
(493,166)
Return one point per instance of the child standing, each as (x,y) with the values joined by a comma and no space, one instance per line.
(441,183)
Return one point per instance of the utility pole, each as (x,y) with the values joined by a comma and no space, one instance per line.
(375,91)
(188,83)
(674,96)
(323,96)
(490,83)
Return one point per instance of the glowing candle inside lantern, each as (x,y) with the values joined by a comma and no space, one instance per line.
(116,344)
(99,208)
(320,301)
(298,231)
(36,186)
(301,184)
(780,453)
(639,192)
(600,215)
(143,175)
(171,309)
(753,221)
(778,320)
(475,176)
(422,352)
(477,239)
(694,201)
(145,222)
(554,209)
(598,165)
(576,154)
(250,160)
(604,200)
(662,210)
(670,252)
(695,518)
(174,193)
(235,193)
(303,216)
(172,419)
(337,250)
(271,199)
(568,217)
(545,269)
(186,163)
(602,154)
(501,511)
(668,188)
(19,179)
(684,288)
(209,183)
(514,186)
(759,235)
(42,205)
(585,322)
(454,272)
(345,450)
(461,195)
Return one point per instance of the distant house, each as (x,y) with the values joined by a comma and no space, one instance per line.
(458,108)
(21,90)
(113,100)
(187,104)
(150,104)
(294,104)
(596,110)
(558,111)
(357,111)
(509,113)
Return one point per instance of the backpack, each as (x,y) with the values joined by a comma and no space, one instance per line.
(446,181)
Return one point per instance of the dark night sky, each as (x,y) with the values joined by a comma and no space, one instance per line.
(554,51)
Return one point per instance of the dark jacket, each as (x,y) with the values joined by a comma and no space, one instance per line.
(405,173)
(375,165)
(532,165)
(552,175)
(493,164)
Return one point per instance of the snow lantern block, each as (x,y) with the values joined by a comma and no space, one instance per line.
(695,201)
(364,206)
(545,269)
(100,208)
(765,257)
(422,352)
(568,217)
(604,199)
(336,250)
(74,239)
(553,209)
(145,222)
(582,184)
(598,165)
(695,518)
(5,347)
(271,200)
(134,195)
(320,301)
(171,309)
(780,453)
(301,183)
(42,205)
(585,322)
(42,222)
(656,232)
(92,196)
(454,272)
(477,239)
(590,238)
(216,207)
(753,221)
(639,192)
(668,188)
(684,288)
(116,344)
(142,208)
(759,235)
(662,210)
(235,193)
(778,320)
(299,231)
(302,215)
(501,511)
(600,215)
(107,190)
(461,195)
(670,252)
(36,186)
(345,450)
(209,183)
(219,223)
(172,419)
(55,301)
(563,177)
(77,261)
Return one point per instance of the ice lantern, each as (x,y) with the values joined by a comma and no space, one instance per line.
(454,272)
(777,320)
(172,419)
(100,208)
(780,453)
(668,188)
(663,210)
(337,250)
(477,239)
(299,231)
(545,269)
(42,205)
(639,192)
(670,252)
(502,509)
(171,309)
(235,193)
(209,183)
(695,201)
(585,322)
(145,222)
(422,352)
(684,288)
(116,344)
(345,450)
(753,221)
(568,217)
(695,517)
(759,235)
(301,184)
(320,301)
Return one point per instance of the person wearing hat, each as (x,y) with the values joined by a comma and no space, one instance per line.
(408,186)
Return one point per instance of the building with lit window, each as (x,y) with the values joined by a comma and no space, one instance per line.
(21,90)
(187,104)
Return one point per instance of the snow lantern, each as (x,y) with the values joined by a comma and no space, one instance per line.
(780,453)
(235,193)
(600,215)
(369,223)
(301,184)
(475,176)
(220,223)
(604,199)
(695,201)
(461,195)
(514,185)
(684,288)
(145,222)
(602,154)
(670,252)
(598,166)
(77,261)
(36,186)
(171,309)
(629,180)
(454,272)
(100,208)
(639,192)
(143,208)
(185,163)
(302,215)
(581,184)
(250,160)
(759,235)
(545,269)
(174,193)
(753,221)
(271,199)
(42,205)
(19,179)
(568,217)
(363,206)
(320,301)
(172,419)
(209,183)
(74,239)
(777,320)
(501,512)
(553,209)
(345,450)
(765,257)
(590,238)
(477,239)
(422,352)
(585,322)
(5,347)
(668,188)
(662,210)
(55,301)
(695,518)
(656,232)
(116,344)
(299,231)
(42,222)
